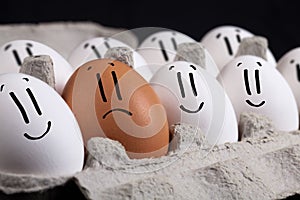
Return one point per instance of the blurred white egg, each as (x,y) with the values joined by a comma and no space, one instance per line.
(38,132)
(161,48)
(223,42)
(191,95)
(96,48)
(253,85)
(289,67)
(13,53)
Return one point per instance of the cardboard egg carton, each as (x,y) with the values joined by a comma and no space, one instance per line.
(264,165)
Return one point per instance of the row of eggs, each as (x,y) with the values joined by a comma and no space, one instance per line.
(108,98)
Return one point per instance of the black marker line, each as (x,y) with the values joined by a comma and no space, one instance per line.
(16,55)
(29,51)
(180,84)
(163,50)
(1,88)
(193,84)
(170,68)
(298,71)
(20,107)
(192,66)
(174,43)
(257,81)
(228,46)
(96,51)
(101,87)
(40,137)
(113,73)
(107,45)
(35,104)
(238,38)
(85,45)
(192,111)
(247,81)
(117,109)
(7,47)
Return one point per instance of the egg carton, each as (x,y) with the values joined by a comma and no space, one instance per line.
(263,165)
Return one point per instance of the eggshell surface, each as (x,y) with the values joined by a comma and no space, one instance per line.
(191,95)
(289,67)
(13,53)
(111,100)
(96,48)
(253,85)
(223,42)
(39,133)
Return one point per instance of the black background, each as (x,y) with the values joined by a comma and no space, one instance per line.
(277,20)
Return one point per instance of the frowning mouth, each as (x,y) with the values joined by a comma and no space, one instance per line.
(117,109)
(255,105)
(40,137)
(192,111)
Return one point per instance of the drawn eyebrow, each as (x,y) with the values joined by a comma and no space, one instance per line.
(259,64)
(238,64)
(112,64)
(153,39)
(192,66)
(218,35)
(35,104)
(170,68)
(292,61)
(20,107)
(26,79)
(89,68)
(85,45)
(100,86)
(237,30)
(29,44)
(1,87)
(7,47)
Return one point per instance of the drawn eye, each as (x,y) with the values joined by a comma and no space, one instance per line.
(1,87)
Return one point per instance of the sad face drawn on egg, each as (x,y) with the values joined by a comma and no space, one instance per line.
(38,132)
(254,85)
(191,95)
(24,113)
(257,90)
(111,100)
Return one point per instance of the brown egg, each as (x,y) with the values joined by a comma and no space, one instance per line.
(110,99)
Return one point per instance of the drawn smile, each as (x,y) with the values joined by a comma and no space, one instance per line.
(192,111)
(117,109)
(255,105)
(40,137)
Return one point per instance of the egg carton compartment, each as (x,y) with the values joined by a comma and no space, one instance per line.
(263,165)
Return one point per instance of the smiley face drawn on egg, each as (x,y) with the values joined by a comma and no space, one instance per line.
(38,132)
(289,67)
(257,90)
(191,95)
(161,47)
(13,53)
(254,85)
(109,99)
(23,112)
(223,42)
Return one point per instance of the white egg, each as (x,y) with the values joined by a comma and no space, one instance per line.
(223,42)
(253,85)
(38,132)
(13,53)
(191,95)
(289,67)
(96,48)
(161,48)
